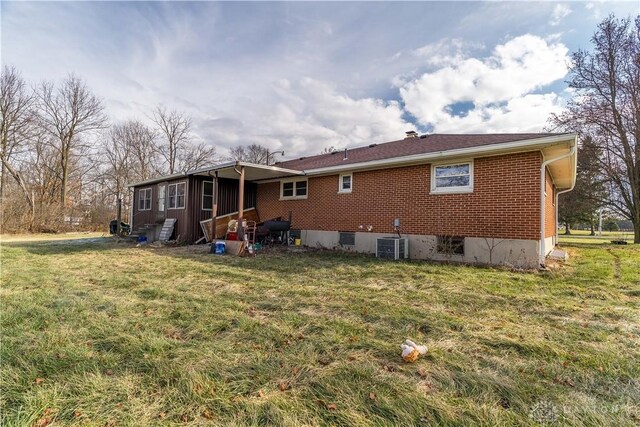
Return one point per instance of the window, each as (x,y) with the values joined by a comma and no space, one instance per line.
(161,197)
(345,183)
(346,238)
(207,195)
(452,178)
(295,189)
(177,195)
(451,245)
(144,199)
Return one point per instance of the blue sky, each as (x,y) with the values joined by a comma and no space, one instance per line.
(305,76)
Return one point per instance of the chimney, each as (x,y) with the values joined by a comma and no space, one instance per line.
(411,134)
(345,154)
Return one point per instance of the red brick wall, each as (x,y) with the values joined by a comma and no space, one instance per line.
(505,202)
(549,208)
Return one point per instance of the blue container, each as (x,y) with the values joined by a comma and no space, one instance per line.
(220,247)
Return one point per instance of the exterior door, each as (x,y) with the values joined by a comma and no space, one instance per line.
(162,200)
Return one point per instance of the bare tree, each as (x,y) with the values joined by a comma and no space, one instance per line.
(131,148)
(129,156)
(606,107)
(16,127)
(119,159)
(66,114)
(143,149)
(253,153)
(197,156)
(174,127)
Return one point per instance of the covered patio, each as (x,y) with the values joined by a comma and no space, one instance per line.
(244,173)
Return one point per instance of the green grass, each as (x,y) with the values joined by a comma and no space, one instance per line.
(96,332)
(583,237)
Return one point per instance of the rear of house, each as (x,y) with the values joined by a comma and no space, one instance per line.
(468,198)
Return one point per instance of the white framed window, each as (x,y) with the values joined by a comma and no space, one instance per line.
(293,189)
(452,177)
(162,197)
(144,199)
(345,183)
(207,195)
(177,195)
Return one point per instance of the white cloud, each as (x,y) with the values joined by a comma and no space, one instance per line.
(528,113)
(446,51)
(241,70)
(560,11)
(306,116)
(501,88)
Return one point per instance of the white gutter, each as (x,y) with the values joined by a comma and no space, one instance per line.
(543,184)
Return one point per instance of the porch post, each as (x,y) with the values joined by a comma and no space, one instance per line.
(241,194)
(214,207)
(241,204)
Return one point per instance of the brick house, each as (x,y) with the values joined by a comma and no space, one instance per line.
(471,198)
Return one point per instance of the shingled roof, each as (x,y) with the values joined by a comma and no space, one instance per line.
(407,147)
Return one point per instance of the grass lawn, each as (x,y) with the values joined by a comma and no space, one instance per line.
(96,332)
(584,236)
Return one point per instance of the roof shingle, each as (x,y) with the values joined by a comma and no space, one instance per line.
(407,147)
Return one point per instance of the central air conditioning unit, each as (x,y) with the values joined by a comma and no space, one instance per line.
(392,247)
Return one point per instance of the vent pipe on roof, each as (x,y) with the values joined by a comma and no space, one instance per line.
(411,134)
(345,155)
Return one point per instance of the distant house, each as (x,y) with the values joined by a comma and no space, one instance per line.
(471,198)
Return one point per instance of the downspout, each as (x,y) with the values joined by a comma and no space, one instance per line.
(543,184)
(557,194)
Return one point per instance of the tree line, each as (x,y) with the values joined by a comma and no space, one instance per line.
(64,164)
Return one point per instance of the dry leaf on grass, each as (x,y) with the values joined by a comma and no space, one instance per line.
(39,380)
(284,385)
(46,418)
(43,422)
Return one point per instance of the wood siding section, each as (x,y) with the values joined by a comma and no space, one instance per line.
(187,227)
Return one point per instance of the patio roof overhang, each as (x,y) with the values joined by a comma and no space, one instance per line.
(231,170)
(252,171)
